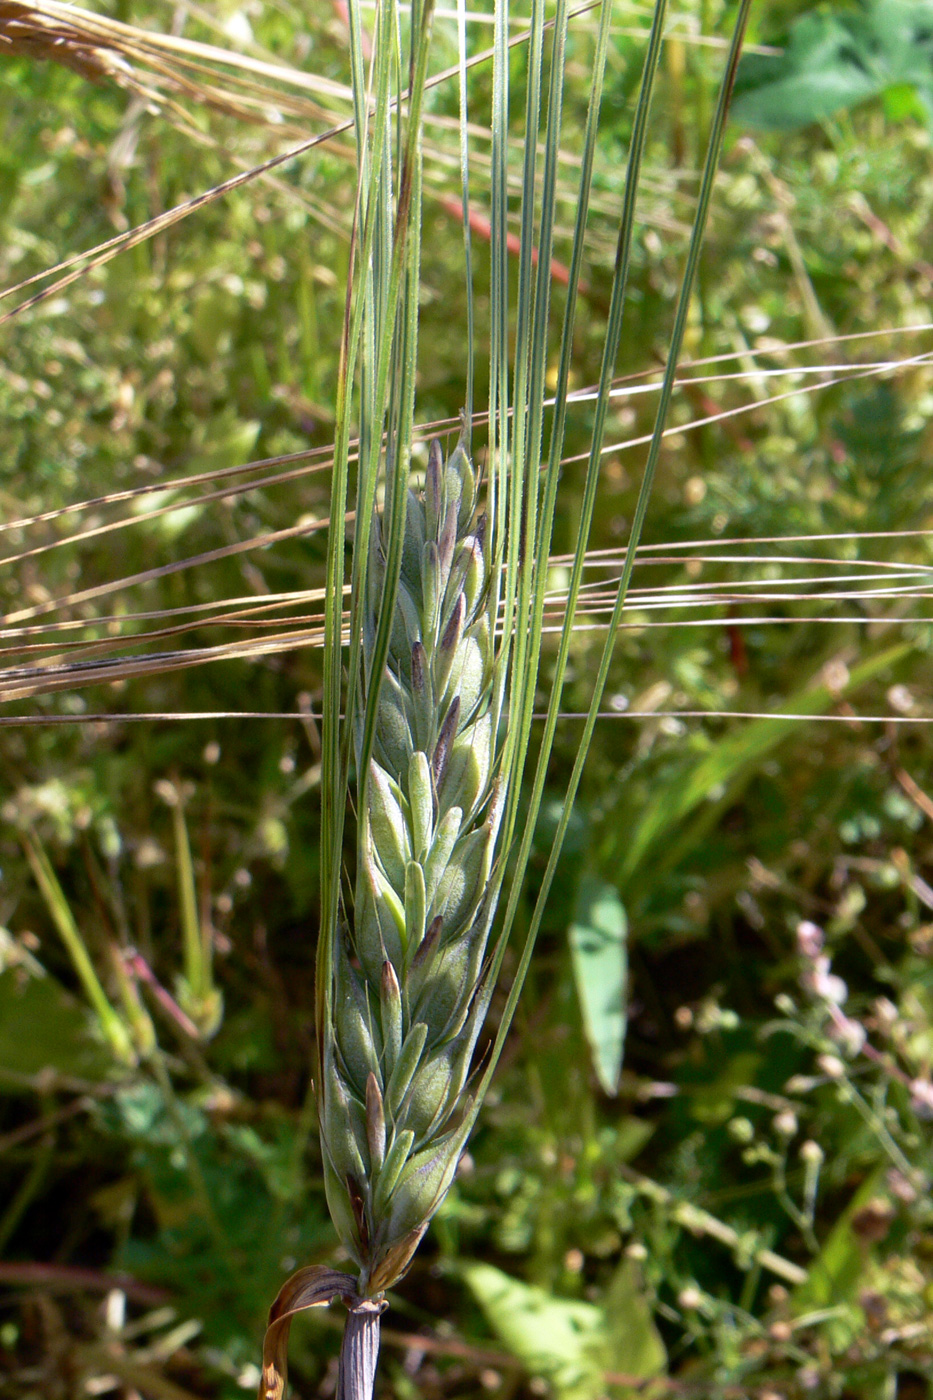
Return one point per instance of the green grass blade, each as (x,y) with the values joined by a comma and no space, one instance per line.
(197,951)
(732,760)
(111,1024)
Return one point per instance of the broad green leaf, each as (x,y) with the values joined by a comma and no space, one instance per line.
(600,968)
(837,1274)
(44,1029)
(833,61)
(552,1337)
(631,1135)
(636,1346)
(571,1344)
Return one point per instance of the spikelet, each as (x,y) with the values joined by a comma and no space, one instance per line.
(408,989)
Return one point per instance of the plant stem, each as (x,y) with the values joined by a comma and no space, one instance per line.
(359,1350)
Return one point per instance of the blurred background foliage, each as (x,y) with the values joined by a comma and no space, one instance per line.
(744,1210)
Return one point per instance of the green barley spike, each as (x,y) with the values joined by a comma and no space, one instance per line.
(396,1066)
(408,977)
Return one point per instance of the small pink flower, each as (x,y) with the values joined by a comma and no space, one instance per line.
(809,939)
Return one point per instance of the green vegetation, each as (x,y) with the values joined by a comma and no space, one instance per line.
(740,1204)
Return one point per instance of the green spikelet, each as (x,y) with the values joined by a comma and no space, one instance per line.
(408,992)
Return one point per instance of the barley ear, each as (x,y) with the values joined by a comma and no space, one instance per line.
(406,977)
(404,989)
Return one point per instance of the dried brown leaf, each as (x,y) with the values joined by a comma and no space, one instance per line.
(311,1287)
